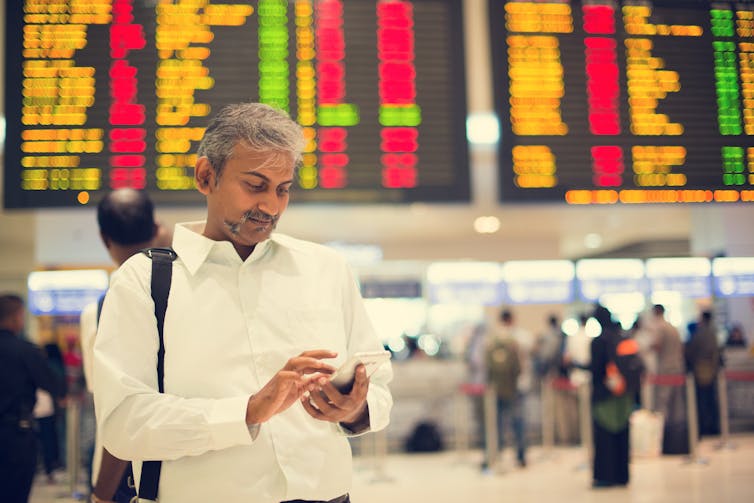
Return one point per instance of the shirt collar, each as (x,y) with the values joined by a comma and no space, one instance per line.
(194,249)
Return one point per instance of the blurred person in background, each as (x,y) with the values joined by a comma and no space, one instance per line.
(610,413)
(23,370)
(51,417)
(736,337)
(645,338)
(509,373)
(565,400)
(126,222)
(703,359)
(476,377)
(669,396)
(577,354)
(248,412)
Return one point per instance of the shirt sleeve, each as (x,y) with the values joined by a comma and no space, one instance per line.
(362,337)
(137,422)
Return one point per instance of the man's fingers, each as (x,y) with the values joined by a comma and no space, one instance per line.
(308,365)
(319,353)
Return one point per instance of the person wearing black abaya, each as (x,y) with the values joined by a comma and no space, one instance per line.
(610,413)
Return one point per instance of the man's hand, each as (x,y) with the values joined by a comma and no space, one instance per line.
(287,386)
(326,403)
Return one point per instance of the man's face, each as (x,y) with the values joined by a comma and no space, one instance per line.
(244,205)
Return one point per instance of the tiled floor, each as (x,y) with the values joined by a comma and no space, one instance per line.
(557,476)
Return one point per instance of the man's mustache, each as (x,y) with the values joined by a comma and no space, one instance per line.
(259,216)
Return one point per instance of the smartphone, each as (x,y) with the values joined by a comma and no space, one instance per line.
(344,377)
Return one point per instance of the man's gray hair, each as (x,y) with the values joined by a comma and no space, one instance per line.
(258,126)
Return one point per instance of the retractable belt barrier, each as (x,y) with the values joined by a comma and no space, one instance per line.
(722,394)
(73,445)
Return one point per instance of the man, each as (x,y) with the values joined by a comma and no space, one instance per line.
(702,354)
(513,381)
(23,369)
(248,413)
(669,399)
(126,225)
(503,365)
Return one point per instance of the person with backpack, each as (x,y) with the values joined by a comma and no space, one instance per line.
(126,222)
(616,369)
(703,359)
(503,364)
(223,394)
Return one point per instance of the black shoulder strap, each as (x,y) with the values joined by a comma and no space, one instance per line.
(162,274)
(100,302)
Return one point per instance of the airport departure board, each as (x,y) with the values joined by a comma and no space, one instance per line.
(104,94)
(630,101)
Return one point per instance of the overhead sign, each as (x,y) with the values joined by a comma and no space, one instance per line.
(65,292)
(687,275)
(597,277)
(478,283)
(372,288)
(733,276)
(538,281)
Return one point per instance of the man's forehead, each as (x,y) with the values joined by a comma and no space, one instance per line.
(262,160)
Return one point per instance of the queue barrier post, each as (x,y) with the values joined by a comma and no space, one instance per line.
(460,426)
(548,417)
(692,422)
(490,427)
(722,405)
(379,456)
(73,447)
(585,422)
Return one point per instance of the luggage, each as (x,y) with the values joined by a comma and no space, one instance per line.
(424,438)
(646,433)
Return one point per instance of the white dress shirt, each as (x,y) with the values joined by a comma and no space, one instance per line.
(230,326)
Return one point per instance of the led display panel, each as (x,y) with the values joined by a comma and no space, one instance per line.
(103,94)
(631,101)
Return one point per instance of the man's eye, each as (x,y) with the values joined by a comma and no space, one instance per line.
(255,187)
(284,190)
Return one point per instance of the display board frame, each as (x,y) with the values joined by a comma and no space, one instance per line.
(378,168)
(595,140)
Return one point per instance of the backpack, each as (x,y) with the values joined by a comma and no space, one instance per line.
(503,368)
(624,367)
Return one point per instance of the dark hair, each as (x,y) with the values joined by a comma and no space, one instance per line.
(603,316)
(506,316)
(9,305)
(126,216)
(706,316)
(658,309)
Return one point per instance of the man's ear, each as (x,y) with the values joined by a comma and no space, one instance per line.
(204,175)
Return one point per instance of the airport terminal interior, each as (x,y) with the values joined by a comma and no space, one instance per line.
(539,156)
